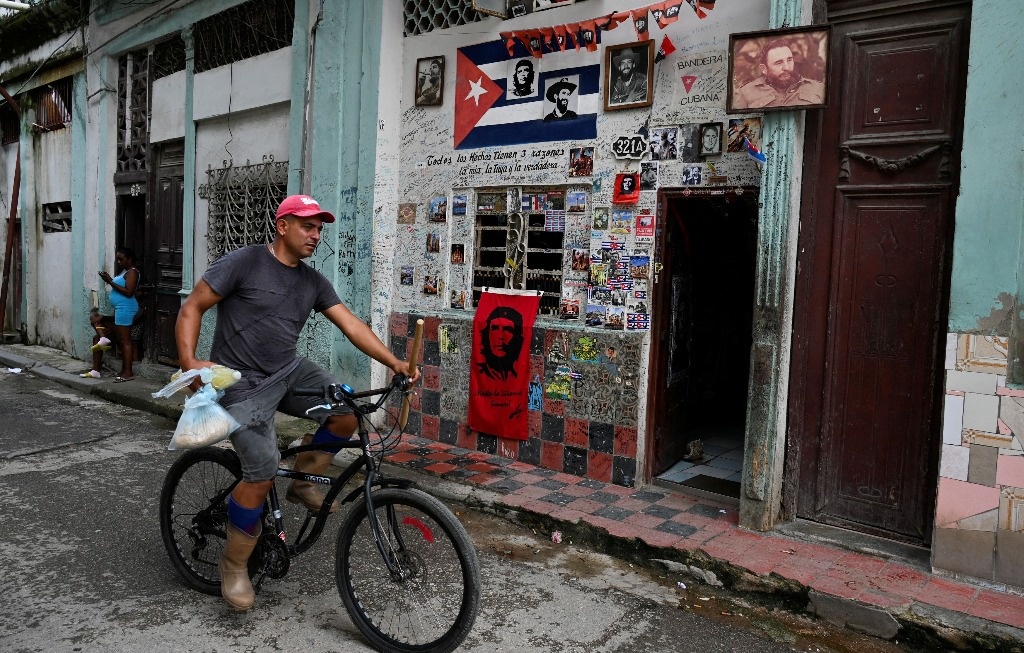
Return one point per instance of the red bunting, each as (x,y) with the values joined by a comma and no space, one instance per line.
(703,7)
(523,37)
(657,11)
(671,14)
(588,32)
(510,41)
(560,37)
(640,23)
(613,20)
(573,32)
(535,43)
(500,364)
(667,48)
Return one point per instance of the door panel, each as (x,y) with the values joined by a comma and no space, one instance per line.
(165,249)
(872,286)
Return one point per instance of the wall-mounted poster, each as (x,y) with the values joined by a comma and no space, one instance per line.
(743,128)
(522,78)
(406,278)
(576,202)
(600,218)
(458,256)
(438,209)
(458,205)
(429,81)
(627,188)
(581,161)
(778,69)
(663,143)
(629,79)
(430,284)
(406,213)
(649,175)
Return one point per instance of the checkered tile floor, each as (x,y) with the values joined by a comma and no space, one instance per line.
(674,520)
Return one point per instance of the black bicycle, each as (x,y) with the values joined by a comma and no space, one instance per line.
(405,567)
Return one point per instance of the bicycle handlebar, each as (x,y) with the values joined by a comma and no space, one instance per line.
(341,392)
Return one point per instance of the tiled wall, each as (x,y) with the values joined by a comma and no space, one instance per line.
(583,395)
(979,519)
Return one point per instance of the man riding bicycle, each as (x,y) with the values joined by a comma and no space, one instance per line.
(264,295)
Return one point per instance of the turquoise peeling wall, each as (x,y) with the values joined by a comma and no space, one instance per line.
(987,254)
(343,147)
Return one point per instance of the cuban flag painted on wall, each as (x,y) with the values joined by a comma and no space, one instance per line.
(489,114)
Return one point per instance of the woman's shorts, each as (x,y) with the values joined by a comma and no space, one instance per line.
(125,315)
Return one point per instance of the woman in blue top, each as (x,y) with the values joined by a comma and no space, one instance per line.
(126,307)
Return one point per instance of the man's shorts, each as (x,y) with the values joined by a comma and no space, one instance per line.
(256,441)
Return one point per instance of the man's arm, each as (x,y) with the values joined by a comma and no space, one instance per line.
(190,318)
(367,341)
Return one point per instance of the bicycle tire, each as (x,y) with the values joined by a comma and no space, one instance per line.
(193,514)
(431,612)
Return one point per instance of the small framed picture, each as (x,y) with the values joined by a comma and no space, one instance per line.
(497,8)
(430,81)
(778,69)
(517,8)
(710,138)
(541,5)
(628,76)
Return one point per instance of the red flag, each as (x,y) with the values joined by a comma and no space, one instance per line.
(500,364)
(671,14)
(535,43)
(547,39)
(703,7)
(573,32)
(523,36)
(627,188)
(588,32)
(560,36)
(640,23)
(510,41)
(666,49)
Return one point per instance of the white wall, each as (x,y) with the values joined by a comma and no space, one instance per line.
(53,250)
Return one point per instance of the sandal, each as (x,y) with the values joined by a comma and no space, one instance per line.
(121,379)
(102,345)
(91,374)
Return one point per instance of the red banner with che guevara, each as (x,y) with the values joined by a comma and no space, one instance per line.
(500,364)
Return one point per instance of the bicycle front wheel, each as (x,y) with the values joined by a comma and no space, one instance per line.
(194,514)
(430,606)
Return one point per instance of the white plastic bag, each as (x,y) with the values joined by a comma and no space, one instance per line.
(218,376)
(203,422)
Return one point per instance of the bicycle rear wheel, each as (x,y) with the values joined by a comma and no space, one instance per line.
(194,514)
(431,609)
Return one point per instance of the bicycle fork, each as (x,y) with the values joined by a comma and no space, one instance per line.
(389,546)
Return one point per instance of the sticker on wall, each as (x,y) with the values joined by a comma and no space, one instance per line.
(459,203)
(599,295)
(622,221)
(569,309)
(595,315)
(433,242)
(691,175)
(458,299)
(535,398)
(640,289)
(644,227)
(740,128)
(581,161)
(600,221)
(458,256)
(640,266)
(649,175)
(407,275)
(430,284)
(689,143)
(560,386)
(580,260)
(490,203)
(585,349)
(616,318)
(446,343)
(638,321)
(663,143)
(598,274)
(406,213)
(576,202)
(438,209)
(554,220)
(627,188)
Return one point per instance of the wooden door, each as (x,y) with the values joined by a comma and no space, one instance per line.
(164,251)
(880,182)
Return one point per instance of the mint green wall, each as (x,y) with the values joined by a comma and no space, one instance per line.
(987,287)
(343,146)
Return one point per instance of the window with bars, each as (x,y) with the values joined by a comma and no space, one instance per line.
(10,128)
(56,217)
(243,201)
(423,16)
(247,30)
(519,240)
(53,105)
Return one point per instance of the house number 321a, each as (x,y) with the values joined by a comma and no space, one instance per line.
(629,147)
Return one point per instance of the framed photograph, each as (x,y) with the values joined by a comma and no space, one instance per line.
(629,75)
(778,69)
(517,8)
(430,81)
(541,5)
(497,8)
(710,138)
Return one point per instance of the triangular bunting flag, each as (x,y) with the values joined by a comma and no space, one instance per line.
(547,37)
(535,44)
(640,23)
(560,37)
(572,30)
(688,81)
(613,20)
(657,11)
(666,49)
(588,32)
(510,41)
(671,14)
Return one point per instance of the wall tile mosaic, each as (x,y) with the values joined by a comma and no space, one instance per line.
(583,395)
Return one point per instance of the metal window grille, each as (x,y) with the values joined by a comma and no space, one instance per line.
(53,105)
(519,242)
(244,31)
(168,57)
(422,16)
(9,125)
(243,202)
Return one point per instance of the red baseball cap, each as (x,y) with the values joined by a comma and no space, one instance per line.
(303,206)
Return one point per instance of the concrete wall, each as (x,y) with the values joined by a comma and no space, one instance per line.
(52,257)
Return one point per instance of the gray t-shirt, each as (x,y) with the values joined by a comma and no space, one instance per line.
(264,307)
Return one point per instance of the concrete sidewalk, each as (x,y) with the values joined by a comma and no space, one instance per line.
(873,589)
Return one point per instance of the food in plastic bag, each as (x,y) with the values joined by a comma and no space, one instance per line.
(203,422)
(218,376)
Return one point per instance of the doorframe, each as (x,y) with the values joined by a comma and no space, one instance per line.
(657,370)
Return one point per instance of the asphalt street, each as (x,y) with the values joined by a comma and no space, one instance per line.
(85,568)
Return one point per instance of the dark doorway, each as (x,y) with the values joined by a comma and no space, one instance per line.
(164,251)
(130,231)
(704,296)
(872,290)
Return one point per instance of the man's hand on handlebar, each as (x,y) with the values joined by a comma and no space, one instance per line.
(409,369)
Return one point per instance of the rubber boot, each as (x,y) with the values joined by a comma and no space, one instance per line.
(310,462)
(235,586)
